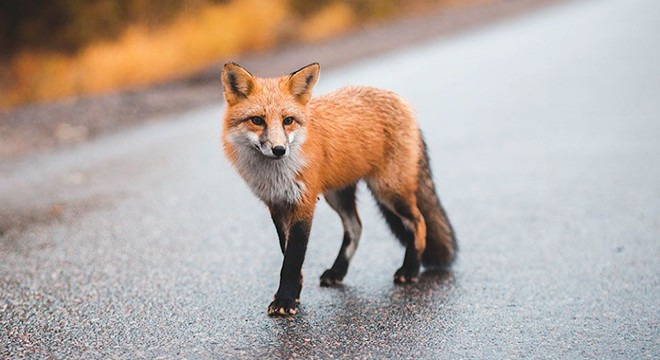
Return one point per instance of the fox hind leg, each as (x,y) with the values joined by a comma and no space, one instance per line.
(343,202)
(407,224)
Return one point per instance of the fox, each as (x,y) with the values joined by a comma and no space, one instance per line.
(290,148)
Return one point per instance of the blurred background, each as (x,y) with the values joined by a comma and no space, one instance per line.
(57,48)
(71,70)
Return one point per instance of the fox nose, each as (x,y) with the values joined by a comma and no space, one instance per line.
(279,150)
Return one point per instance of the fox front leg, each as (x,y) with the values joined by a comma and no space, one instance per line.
(280,216)
(281,219)
(288,293)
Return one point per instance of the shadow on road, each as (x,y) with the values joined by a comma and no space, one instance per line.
(399,314)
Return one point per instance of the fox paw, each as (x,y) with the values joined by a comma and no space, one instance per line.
(283,307)
(331,277)
(406,276)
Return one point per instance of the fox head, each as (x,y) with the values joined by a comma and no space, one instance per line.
(267,115)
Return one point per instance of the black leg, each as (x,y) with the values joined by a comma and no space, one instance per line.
(343,202)
(335,275)
(279,217)
(393,220)
(409,271)
(290,275)
(401,224)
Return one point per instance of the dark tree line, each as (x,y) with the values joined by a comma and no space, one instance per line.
(68,25)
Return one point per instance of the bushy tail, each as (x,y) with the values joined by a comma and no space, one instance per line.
(441,244)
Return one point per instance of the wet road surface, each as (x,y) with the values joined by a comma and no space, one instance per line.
(545,143)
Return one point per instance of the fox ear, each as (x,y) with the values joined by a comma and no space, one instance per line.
(301,82)
(237,82)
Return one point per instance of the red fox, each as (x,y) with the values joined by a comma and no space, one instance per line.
(290,148)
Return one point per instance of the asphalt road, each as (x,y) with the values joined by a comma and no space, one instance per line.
(544,135)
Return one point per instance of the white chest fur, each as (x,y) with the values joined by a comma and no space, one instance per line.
(273,181)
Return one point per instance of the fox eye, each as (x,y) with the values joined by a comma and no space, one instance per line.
(288,120)
(258,120)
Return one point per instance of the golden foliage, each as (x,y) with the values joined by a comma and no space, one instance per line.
(333,19)
(141,56)
(193,39)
